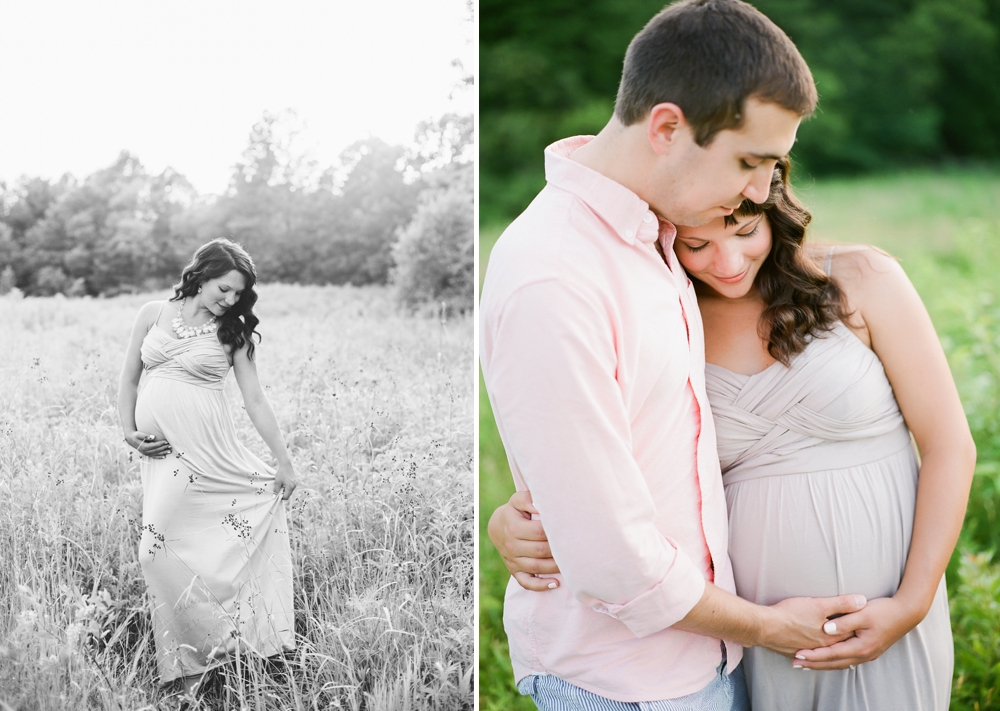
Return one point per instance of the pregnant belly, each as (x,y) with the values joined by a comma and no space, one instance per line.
(174,409)
(823,533)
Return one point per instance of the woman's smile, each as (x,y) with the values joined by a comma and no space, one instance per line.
(734,279)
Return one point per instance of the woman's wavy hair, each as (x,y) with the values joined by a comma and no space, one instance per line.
(800,299)
(213,260)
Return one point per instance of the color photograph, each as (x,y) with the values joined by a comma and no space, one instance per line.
(739,342)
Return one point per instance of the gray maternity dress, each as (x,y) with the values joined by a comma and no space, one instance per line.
(821,477)
(214,550)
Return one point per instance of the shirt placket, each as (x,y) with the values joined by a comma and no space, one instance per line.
(684,295)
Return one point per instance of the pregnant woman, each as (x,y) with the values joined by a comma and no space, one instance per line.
(214,549)
(820,367)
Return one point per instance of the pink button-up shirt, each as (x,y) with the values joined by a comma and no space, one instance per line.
(593,355)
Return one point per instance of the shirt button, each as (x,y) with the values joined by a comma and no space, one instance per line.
(648,217)
(630,233)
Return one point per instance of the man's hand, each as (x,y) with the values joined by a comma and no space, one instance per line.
(875,628)
(522,544)
(808,618)
(783,628)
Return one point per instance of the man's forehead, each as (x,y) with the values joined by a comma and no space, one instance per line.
(768,130)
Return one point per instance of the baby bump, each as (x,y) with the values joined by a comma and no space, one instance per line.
(823,533)
(146,409)
(171,404)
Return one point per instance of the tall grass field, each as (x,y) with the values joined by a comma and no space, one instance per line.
(377,410)
(945,229)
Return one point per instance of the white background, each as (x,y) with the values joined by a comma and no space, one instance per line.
(180,83)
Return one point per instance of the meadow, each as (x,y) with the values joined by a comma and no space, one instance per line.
(944,227)
(376,408)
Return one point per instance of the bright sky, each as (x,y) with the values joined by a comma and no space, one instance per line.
(180,83)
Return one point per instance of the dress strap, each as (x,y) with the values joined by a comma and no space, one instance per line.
(156,320)
(829,261)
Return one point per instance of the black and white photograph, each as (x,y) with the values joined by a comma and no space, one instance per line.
(237,374)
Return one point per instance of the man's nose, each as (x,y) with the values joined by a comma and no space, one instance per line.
(759,186)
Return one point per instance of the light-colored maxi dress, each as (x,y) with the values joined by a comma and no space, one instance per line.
(214,548)
(820,477)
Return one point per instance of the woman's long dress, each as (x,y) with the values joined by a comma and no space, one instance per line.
(214,549)
(821,478)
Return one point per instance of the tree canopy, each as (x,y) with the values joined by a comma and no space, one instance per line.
(124,229)
(900,82)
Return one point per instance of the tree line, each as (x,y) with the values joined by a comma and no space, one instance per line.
(901,82)
(382,214)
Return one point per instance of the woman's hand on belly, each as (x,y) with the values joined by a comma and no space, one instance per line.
(877,627)
(148,445)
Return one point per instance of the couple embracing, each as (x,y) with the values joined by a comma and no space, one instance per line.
(654,313)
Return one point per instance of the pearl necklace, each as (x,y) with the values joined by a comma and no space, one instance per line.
(184,331)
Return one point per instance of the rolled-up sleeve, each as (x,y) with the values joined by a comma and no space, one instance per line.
(549,362)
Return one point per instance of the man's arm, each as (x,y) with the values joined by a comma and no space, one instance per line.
(549,363)
(523,544)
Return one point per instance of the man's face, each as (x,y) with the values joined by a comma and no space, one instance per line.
(693,185)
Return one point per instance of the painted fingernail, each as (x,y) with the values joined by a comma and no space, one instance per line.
(796,666)
(799,656)
(830,627)
(553,586)
(807,668)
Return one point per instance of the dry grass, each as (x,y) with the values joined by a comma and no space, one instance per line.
(377,410)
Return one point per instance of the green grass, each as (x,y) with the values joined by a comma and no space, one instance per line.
(377,411)
(945,228)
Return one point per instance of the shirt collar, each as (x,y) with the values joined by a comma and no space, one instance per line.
(622,210)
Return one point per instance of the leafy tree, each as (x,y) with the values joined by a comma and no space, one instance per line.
(371,202)
(900,82)
(124,229)
(434,254)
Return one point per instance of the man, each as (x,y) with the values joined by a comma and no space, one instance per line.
(593,356)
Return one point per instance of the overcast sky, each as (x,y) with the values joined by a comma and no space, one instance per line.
(180,83)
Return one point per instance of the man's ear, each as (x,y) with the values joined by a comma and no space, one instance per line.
(665,122)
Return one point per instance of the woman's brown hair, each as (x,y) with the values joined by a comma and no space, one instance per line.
(238,325)
(800,299)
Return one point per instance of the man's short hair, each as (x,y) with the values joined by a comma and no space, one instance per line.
(708,57)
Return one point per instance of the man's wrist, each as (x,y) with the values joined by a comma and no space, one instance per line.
(765,621)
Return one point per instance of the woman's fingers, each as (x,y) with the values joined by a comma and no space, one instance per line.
(284,486)
(530,582)
(521,500)
(525,529)
(842,655)
(534,566)
(155,448)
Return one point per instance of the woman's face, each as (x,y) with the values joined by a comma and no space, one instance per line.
(221,294)
(725,259)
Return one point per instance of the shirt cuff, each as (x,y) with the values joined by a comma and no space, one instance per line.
(666,603)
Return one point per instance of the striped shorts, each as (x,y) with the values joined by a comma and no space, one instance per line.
(726,692)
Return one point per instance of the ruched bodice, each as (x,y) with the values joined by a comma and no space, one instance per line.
(788,420)
(199,360)
(821,479)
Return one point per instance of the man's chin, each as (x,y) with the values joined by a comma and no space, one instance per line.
(697,220)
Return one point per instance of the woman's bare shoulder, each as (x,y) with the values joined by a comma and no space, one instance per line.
(858,264)
(149,312)
(868,275)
